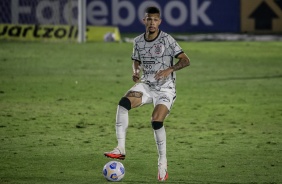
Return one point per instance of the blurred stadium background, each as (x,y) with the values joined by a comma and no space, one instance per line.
(58,98)
(59,20)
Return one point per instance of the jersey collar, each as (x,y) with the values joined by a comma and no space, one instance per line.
(154,38)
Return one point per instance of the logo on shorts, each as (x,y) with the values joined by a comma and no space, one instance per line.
(165,98)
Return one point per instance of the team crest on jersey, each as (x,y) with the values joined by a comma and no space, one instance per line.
(158,49)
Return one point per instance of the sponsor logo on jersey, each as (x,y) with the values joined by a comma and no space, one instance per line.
(148,62)
(149,72)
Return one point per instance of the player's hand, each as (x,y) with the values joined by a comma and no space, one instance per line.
(135,77)
(163,73)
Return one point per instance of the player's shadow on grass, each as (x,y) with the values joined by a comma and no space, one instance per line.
(176,182)
(250,78)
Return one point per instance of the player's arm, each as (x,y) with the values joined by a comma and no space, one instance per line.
(182,63)
(136,71)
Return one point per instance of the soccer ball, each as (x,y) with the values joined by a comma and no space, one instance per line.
(109,37)
(113,171)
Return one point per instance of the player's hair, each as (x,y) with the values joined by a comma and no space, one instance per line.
(153,9)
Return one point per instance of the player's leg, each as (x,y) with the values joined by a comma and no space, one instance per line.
(125,104)
(133,98)
(158,116)
(163,105)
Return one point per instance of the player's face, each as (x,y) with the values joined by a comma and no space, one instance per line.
(152,22)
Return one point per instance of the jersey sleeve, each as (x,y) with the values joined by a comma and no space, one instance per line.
(175,47)
(135,53)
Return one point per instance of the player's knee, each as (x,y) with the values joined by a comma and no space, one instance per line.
(157,125)
(125,102)
(135,94)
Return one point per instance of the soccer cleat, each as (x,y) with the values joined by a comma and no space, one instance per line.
(117,153)
(162,174)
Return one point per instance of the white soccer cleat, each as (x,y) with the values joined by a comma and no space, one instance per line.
(162,172)
(117,153)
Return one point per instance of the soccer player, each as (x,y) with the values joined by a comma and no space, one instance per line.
(152,56)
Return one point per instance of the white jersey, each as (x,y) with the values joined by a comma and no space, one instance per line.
(156,55)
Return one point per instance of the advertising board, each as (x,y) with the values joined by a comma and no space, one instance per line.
(177,15)
(261,16)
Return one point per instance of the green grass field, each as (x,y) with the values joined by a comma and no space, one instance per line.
(58,103)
